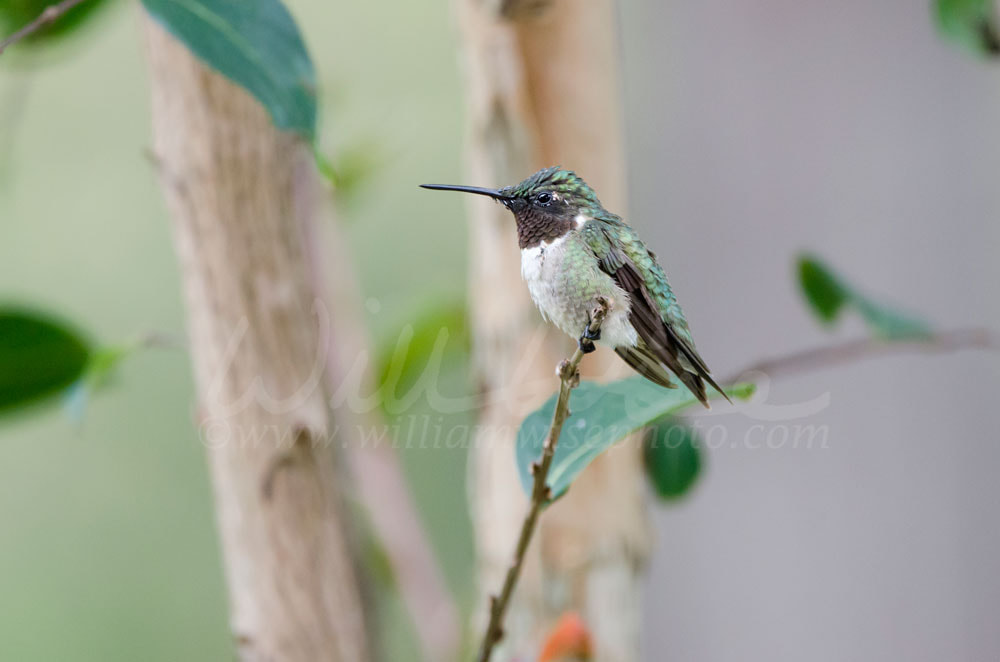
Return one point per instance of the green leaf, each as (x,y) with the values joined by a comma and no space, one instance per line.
(828,294)
(971,24)
(39,357)
(889,324)
(600,416)
(97,373)
(823,291)
(351,170)
(671,454)
(254,43)
(419,350)
(15,14)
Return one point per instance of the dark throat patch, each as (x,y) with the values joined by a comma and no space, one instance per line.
(534,227)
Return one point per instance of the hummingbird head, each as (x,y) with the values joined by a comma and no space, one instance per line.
(546,205)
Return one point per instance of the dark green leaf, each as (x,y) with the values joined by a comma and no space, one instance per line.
(39,356)
(419,351)
(15,14)
(671,454)
(256,44)
(971,24)
(828,294)
(821,288)
(601,415)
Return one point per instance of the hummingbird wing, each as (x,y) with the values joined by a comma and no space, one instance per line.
(664,337)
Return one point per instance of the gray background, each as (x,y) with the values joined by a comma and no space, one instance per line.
(848,129)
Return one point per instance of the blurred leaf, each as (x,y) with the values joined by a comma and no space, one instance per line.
(971,24)
(889,324)
(821,288)
(828,294)
(569,639)
(15,14)
(39,356)
(671,454)
(352,168)
(418,351)
(98,372)
(256,44)
(600,416)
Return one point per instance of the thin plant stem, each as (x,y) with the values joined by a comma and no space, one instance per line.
(49,15)
(569,378)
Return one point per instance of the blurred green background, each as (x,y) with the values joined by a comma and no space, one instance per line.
(107,542)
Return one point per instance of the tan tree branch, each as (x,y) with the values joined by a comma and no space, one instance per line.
(237,190)
(569,378)
(50,15)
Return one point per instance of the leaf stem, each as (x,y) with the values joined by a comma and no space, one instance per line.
(49,15)
(569,379)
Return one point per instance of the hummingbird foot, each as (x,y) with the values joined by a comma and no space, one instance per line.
(588,338)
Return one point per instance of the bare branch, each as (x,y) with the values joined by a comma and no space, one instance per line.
(819,358)
(50,15)
(569,378)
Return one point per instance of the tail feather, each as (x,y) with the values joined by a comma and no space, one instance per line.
(698,374)
(657,364)
(693,364)
(646,364)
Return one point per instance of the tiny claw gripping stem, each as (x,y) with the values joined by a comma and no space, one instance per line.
(592,331)
(601,310)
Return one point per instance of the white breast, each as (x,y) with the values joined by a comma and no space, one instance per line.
(539,267)
(533,259)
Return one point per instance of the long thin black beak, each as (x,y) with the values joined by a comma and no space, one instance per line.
(493,193)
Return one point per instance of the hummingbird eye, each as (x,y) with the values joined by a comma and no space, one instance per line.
(544,199)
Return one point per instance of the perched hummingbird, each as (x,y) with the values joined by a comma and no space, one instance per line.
(573,250)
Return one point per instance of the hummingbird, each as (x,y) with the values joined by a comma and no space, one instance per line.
(574,251)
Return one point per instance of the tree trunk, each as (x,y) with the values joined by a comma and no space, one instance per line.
(543,89)
(239,193)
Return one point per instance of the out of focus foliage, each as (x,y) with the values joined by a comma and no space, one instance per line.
(419,352)
(254,43)
(971,24)
(43,357)
(40,356)
(352,166)
(569,639)
(15,14)
(829,295)
(671,455)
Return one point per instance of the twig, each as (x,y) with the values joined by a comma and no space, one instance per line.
(50,15)
(540,492)
(818,358)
